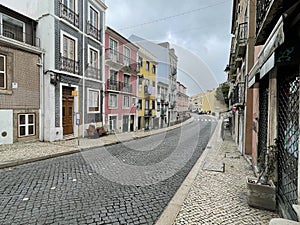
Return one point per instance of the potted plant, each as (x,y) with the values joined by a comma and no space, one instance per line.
(261,190)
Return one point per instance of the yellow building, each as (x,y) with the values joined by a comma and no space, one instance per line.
(147,65)
(207,103)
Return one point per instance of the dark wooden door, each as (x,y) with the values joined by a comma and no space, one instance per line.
(67,110)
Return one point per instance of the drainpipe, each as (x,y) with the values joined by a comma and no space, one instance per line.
(42,103)
(83,69)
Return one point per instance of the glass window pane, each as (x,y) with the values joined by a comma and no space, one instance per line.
(31,129)
(70,111)
(2,80)
(30,119)
(22,131)
(22,119)
(2,63)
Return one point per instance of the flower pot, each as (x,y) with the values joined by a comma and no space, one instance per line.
(262,196)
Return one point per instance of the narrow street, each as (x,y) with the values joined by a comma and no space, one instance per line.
(127,183)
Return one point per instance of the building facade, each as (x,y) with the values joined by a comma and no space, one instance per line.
(272,94)
(147,69)
(120,83)
(182,100)
(240,62)
(21,74)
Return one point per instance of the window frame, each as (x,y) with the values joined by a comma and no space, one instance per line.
(94,14)
(89,107)
(114,50)
(126,106)
(90,57)
(27,125)
(75,45)
(147,65)
(126,56)
(4,72)
(109,101)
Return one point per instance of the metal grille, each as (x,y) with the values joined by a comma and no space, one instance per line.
(263,123)
(288,136)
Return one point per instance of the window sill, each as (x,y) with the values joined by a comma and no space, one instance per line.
(6,92)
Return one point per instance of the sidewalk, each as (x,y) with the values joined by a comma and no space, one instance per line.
(21,153)
(215,190)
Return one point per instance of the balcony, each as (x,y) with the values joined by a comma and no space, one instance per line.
(147,90)
(125,87)
(16,33)
(69,65)
(268,13)
(68,14)
(94,31)
(94,73)
(241,40)
(238,97)
(120,61)
(113,85)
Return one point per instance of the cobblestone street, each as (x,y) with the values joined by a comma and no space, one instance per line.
(127,183)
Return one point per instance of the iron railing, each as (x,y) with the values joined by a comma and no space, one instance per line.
(94,31)
(69,65)
(239,93)
(13,32)
(68,14)
(114,85)
(262,7)
(288,140)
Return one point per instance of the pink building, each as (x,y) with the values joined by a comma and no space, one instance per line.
(120,82)
(182,99)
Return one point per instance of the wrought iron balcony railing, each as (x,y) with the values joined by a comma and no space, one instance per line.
(17,34)
(69,65)
(262,7)
(94,31)
(128,64)
(113,55)
(125,87)
(241,39)
(238,94)
(113,85)
(68,14)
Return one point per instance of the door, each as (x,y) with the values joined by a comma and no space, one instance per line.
(131,123)
(67,110)
(125,123)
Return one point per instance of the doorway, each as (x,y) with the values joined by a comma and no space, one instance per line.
(67,110)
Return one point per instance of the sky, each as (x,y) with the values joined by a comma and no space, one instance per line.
(199,30)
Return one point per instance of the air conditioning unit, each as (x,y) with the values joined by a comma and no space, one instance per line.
(6,128)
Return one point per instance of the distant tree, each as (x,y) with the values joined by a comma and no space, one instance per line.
(222,93)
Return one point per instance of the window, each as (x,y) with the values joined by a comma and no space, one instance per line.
(126,101)
(93,101)
(13,28)
(147,65)
(113,101)
(113,45)
(68,47)
(126,80)
(154,69)
(126,56)
(140,104)
(133,101)
(153,104)
(94,17)
(26,125)
(93,58)
(140,62)
(70,4)
(2,72)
